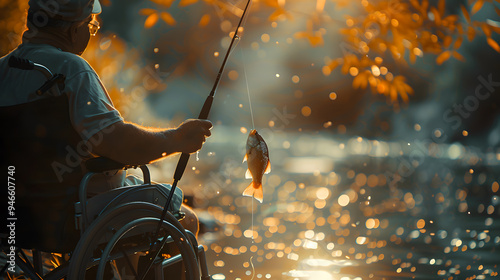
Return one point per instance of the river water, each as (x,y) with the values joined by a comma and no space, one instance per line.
(349,208)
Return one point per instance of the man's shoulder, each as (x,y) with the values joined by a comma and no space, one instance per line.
(56,60)
(70,63)
(68,57)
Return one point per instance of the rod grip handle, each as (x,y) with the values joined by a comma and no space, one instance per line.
(181,166)
(183,160)
(21,63)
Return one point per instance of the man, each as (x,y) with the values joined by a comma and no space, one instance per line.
(58,33)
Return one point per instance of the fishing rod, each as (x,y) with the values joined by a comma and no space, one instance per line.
(183,160)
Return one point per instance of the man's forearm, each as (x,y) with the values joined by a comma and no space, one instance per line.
(128,143)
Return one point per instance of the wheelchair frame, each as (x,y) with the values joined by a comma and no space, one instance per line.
(192,254)
(92,232)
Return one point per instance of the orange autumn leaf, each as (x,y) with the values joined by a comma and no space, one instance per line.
(184,3)
(466,13)
(493,44)
(279,13)
(458,43)
(425,5)
(437,16)
(204,21)
(349,61)
(334,64)
(402,88)
(415,4)
(314,38)
(458,56)
(413,57)
(383,86)
(151,20)
(168,19)
(404,96)
(477,6)
(165,3)
(361,80)
(147,12)
(443,57)
(471,33)
(494,26)
(447,41)
(486,29)
(301,35)
(442,7)
(271,3)
(393,94)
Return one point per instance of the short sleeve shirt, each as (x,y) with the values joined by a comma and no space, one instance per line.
(91,109)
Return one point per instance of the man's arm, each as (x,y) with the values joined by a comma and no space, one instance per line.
(129,143)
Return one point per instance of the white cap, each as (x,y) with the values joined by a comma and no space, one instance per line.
(68,10)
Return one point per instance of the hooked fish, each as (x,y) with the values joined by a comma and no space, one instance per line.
(257,157)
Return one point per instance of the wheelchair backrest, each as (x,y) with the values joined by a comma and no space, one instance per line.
(37,138)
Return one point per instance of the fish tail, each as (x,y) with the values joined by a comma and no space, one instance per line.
(259,194)
(249,190)
(254,190)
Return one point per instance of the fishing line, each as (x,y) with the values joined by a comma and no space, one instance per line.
(248,90)
(253,127)
(246,79)
(253,241)
(253,268)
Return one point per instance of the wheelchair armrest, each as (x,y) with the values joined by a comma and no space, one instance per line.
(102,164)
(94,166)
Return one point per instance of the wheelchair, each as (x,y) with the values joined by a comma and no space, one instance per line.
(118,234)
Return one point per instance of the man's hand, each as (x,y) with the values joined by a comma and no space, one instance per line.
(129,143)
(191,135)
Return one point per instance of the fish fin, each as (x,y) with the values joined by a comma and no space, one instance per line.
(248,174)
(259,194)
(255,192)
(245,158)
(249,190)
(268,168)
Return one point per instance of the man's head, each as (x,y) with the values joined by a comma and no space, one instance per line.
(69,22)
(66,10)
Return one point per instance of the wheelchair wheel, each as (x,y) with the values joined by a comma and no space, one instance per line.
(88,251)
(120,242)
